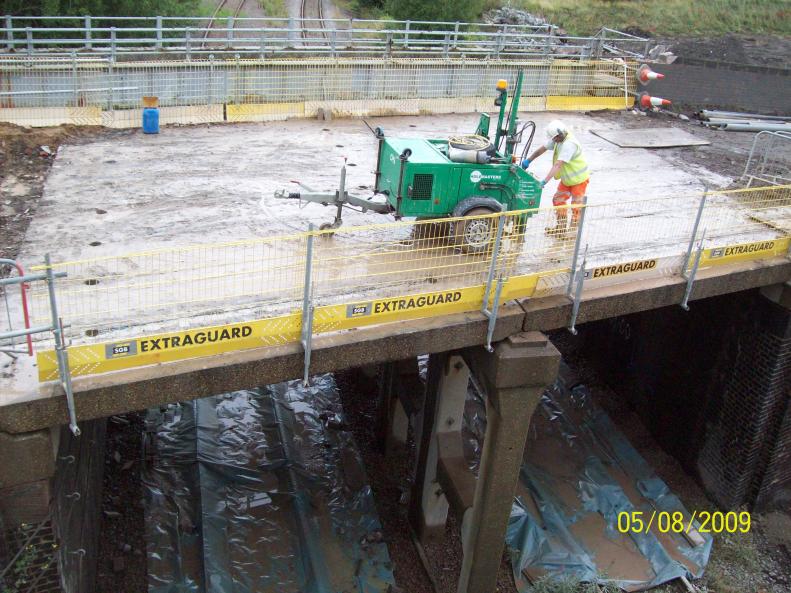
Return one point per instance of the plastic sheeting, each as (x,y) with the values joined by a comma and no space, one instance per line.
(274,498)
(579,472)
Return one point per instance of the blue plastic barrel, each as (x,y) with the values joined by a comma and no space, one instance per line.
(151,120)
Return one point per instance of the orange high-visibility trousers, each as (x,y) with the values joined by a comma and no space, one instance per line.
(577,195)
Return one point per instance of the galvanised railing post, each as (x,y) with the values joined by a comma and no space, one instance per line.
(446,46)
(406,34)
(306,337)
(492,315)
(74,79)
(333,41)
(229,25)
(187,43)
(211,79)
(9,31)
(60,348)
(88,35)
(112,43)
(29,39)
(159,33)
(577,244)
(456,35)
(575,309)
(694,236)
(693,273)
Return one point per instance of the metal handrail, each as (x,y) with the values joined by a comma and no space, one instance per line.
(21,279)
(783,136)
(116,36)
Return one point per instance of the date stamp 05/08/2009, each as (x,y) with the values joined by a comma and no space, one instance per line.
(678,522)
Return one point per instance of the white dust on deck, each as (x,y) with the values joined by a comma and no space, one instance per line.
(207,184)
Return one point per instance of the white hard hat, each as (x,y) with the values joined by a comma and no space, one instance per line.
(555,127)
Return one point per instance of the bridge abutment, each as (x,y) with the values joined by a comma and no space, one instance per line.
(50,489)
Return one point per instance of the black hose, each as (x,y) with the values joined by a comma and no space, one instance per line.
(526,149)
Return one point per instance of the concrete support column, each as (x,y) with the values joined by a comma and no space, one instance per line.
(440,417)
(400,397)
(514,377)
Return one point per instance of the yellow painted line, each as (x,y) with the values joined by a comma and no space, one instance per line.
(584,103)
(745,252)
(135,352)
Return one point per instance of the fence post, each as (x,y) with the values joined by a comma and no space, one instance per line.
(88,36)
(694,236)
(230,32)
(29,38)
(446,47)
(406,35)
(693,273)
(333,41)
(159,33)
(575,309)
(187,44)
(112,43)
(60,348)
(74,79)
(9,31)
(577,244)
(492,315)
(456,35)
(307,307)
(211,79)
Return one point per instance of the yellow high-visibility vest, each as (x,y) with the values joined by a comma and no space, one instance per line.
(576,170)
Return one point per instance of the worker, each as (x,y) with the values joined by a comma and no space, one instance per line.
(568,165)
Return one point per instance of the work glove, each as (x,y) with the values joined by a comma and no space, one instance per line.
(543,183)
(525,163)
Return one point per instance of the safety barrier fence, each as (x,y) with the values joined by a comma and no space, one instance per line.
(100,92)
(769,160)
(131,36)
(169,304)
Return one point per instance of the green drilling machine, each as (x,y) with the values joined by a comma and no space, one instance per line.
(459,176)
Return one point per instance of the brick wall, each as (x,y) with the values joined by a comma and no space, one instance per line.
(703,84)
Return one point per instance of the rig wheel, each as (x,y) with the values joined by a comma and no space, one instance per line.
(475,236)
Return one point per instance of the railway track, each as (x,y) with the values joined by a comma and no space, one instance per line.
(303,13)
(222,4)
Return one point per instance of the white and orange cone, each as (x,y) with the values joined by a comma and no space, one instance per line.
(647,101)
(646,75)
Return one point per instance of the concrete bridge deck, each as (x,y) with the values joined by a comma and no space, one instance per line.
(164,236)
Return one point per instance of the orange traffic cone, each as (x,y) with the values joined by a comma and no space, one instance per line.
(646,75)
(647,101)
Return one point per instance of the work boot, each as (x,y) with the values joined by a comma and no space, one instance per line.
(556,231)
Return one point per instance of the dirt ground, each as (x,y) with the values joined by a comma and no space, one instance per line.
(764,50)
(122,547)
(26,155)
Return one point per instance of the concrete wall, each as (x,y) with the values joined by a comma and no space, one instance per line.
(703,84)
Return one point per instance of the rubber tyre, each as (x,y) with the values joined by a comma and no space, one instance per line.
(474,236)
